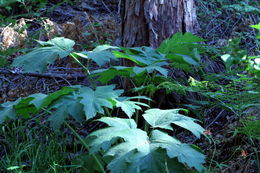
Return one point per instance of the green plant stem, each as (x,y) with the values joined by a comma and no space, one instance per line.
(108,112)
(86,146)
(146,127)
(83,143)
(82,65)
(255,149)
(214,152)
(257,158)
(136,117)
(138,112)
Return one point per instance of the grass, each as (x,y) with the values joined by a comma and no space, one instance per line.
(36,150)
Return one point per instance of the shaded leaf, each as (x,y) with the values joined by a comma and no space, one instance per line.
(105,75)
(56,95)
(79,102)
(94,101)
(7,110)
(38,99)
(157,67)
(58,117)
(142,56)
(25,108)
(100,55)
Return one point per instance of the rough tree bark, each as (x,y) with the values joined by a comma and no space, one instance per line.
(149,22)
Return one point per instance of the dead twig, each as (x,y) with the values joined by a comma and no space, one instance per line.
(44,75)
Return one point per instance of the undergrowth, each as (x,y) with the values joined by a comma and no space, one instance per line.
(223,20)
(133,136)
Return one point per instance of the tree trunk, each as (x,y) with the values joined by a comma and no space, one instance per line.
(149,22)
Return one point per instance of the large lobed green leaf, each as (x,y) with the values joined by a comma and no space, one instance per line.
(182,48)
(129,106)
(38,59)
(24,107)
(105,75)
(79,102)
(82,103)
(146,59)
(142,56)
(158,118)
(94,101)
(180,43)
(137,152)
(7,110)
(100,55)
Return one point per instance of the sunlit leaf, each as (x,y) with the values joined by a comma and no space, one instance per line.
(158,118)
(38,59)
(137,152)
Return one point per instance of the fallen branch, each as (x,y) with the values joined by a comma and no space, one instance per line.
(44,75)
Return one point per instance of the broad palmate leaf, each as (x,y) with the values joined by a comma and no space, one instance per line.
(105,75)
(79,102)
(180,43)
(100,55)
(158,118)
(129,106)
(182,48)
(7,110)
(20,107)
(137,152)
(82,103)
(94,101)
(38,59)
(142,56)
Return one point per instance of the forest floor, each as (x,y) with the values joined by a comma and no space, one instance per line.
(92,23)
